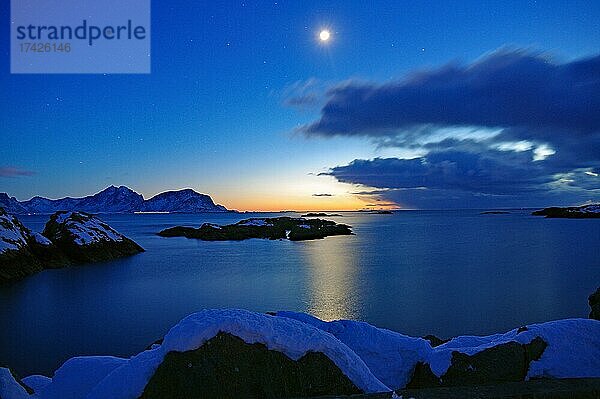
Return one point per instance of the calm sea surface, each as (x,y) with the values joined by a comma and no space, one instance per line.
(417,272)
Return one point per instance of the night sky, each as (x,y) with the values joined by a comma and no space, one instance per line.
(408,104)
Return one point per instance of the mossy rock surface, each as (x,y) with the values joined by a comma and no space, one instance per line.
(16,257)
(15,265)
(227,367)
(293,229)
(594,301)
(508,362)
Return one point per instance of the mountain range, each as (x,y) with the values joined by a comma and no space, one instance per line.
(116,200)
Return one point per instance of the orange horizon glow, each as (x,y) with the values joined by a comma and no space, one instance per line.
(283,203)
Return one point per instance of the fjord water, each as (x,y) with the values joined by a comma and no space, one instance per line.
(416,272)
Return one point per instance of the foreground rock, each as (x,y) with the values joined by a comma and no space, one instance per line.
(560,349)
(84,238)
(223,353)
(293,229)
(68,238)
(227,367)
(576,212)
(231,353)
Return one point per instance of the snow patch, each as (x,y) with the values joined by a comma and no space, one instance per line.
(255,222)
(13,235)
(36,382)
(592,208)
(391,356)
(213,225)
(9,387)
(78,375)
(40,239)
(87,229)
(573,349)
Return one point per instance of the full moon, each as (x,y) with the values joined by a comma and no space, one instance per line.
(324,35)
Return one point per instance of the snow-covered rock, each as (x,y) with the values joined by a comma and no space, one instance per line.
(68,237)
(574,212)
(36,382)
(255,222)
(570,349)
(279,228)
(78,376)
(11,205)
(9,387)
(40,239)
(372,359)
(101,377)
(16,257)
(13,235)
(86,238)
(391,356)
(290,337)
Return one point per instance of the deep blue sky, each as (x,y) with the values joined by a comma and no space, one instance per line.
(214,114)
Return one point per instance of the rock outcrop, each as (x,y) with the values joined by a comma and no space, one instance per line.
(68,238)
(575,212)
(16,257)
(505,362)
(293,229)
(320,214)
(227,367)
(84,238)
(231,353)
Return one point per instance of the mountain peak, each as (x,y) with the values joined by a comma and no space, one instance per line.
(119,199)
(113,188)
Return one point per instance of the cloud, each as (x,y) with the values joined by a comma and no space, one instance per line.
(505,89)
(323,195)
(457,178)
(305,94)
(490,172)
(9,171)
(510,129)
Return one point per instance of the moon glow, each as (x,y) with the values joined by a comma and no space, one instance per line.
(324,35)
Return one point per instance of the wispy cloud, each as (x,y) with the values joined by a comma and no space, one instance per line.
(9,171)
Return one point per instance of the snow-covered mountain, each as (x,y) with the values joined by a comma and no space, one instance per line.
(182,201)
(116,200)
(11,205)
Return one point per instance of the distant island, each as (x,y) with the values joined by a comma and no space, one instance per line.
(590,211)
(293,229)
(319,214)
(116,200)
(494,213)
